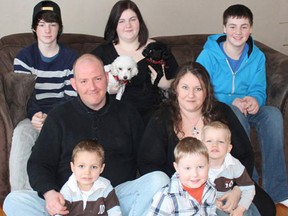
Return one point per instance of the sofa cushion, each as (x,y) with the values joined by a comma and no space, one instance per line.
(18,89)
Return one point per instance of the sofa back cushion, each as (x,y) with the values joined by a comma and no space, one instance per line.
(10,46)
(184,47)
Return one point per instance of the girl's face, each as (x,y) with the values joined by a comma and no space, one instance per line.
(47,32)
(87,168)
(192,170)
(190,93)
(238,31)
(128,26)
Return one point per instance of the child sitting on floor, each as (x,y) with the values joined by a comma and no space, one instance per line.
(189,191)
(225,171)
(86,192)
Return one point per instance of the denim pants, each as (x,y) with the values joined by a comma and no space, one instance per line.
(23,139)
(252,211)
(135,197)
(268,123)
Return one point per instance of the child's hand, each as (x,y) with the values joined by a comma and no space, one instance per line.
(239,211)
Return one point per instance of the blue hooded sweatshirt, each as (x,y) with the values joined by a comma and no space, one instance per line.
(248,80)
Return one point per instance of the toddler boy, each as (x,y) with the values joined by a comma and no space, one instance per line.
(86,192)
(225,170)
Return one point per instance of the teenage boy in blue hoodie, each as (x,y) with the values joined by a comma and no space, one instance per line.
(237,70)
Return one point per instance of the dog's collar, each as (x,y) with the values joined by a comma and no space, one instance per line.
(121,81)
(161,62)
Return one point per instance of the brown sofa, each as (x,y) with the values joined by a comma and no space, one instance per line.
(14,90)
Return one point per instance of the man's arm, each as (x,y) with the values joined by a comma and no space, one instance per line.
(43,164)
(55,203)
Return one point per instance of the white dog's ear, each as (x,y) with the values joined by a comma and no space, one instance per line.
(113,69)
(134,70)
(107,68)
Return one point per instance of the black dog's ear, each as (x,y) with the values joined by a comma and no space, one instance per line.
(166,53)
(146,51)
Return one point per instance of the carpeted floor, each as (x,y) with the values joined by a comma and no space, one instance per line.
(281,210)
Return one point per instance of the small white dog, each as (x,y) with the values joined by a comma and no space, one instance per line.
(121,71)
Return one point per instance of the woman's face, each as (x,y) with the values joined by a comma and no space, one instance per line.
(128,26)
(190,93)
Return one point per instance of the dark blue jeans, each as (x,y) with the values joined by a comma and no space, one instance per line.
(268,123)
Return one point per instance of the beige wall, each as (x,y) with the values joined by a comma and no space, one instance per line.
(163,17)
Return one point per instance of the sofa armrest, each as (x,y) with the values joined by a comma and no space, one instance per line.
(277,85)
(6,130)
(18,89)
(277,76)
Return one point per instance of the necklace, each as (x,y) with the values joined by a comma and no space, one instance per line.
(195,130)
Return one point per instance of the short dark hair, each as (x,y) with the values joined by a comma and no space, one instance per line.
(89,146)
(110,33)
(238,11)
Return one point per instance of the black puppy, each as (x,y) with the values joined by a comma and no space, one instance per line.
(156,54)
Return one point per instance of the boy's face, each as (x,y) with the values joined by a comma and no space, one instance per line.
(216,140)
(238,31)
(192,170)
(87,167)
(47,32)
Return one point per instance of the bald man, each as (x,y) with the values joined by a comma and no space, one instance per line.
(92,115)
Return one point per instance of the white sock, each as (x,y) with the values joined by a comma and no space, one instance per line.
(285,202)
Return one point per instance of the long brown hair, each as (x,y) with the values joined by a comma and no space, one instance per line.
(110,33)
(172,102)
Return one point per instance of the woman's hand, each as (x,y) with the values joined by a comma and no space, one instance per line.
(163,83)
(239,211)
(229,201)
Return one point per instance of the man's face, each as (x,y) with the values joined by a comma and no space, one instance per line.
(90,82)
